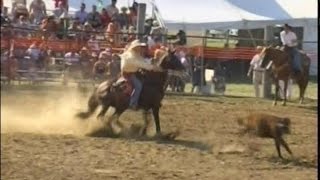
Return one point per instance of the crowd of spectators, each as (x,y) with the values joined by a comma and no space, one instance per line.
(110,24)
(90,28)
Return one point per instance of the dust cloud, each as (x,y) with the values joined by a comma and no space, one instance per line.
(44,112)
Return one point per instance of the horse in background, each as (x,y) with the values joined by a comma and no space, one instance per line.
(281,69)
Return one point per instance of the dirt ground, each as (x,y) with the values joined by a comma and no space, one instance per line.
(41,139)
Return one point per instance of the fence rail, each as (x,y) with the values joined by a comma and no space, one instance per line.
(242,53)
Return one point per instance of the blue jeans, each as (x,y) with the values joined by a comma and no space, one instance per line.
(137,90)
(296,59)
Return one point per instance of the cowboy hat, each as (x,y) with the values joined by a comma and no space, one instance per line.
(259,47)
(103,54)
(159,55)
(84,49)
(155,23)
(94,54)
(136,43)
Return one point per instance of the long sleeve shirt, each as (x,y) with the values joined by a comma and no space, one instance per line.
(132,62)
(289,39)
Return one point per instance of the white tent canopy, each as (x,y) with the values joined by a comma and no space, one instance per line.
(244,14)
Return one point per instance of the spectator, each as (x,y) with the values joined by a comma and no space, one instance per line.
(86,65)
(4,12)
(48,25)
(112,31)
(133,16)
(196,74)
(257,71)
(112,8)
(99,69)
(219,79)
(93,44)
(59,10)
(94,18)
(23,27)
(72,58)
(105,18)
(113,67)
(52,37)
(150,42)
(181,38)
(156,31)
(33,51)
(183,59)
(148,26)
(124,18)
(105,57)
(87,30)
(94,58)
(64,3)
(9,65)
(107,53)
(37,11)
(131,34)
(42,62)
(82,15)
(19,9)
(61,32)
(74,30)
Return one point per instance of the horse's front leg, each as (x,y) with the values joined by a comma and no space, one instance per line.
(114,118)
(155,112)
(285,92)
(276,92)
(100,116)
(146,118)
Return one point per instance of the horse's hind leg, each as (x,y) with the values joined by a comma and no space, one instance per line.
(302,88)
(285,92)
(276,93)
(155,112)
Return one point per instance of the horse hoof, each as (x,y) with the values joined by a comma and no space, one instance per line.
(283,104)
(274,104)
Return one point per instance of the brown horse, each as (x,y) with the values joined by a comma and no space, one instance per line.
(118,95)
(282,70)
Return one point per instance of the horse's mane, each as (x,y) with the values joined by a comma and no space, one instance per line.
(274,53)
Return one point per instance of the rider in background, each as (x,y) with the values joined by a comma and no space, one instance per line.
(132,61)
(289,41)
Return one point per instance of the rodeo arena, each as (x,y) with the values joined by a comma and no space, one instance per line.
(159,89)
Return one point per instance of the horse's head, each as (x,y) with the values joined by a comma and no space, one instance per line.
(172,62)
(265,55)
(277,56)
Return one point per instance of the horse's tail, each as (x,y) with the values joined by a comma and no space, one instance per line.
(93,103)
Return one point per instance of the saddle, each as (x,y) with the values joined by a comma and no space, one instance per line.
(282,49)
(124,85)
(304,63)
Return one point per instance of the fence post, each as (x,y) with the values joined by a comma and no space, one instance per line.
(202,58)
(141,19)
(266,84)
(268,35)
